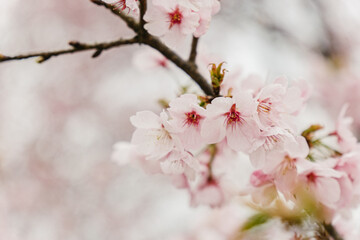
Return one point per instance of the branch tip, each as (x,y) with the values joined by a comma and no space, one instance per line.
(97,53)
(43,58)
(76,45)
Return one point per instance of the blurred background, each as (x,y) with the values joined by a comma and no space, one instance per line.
(60,119)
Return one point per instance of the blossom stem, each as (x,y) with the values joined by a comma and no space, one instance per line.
(212,150)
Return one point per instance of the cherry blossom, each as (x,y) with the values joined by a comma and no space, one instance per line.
(180,162)
(274,144)
(207,9)
(323,183)
(171,21)
(187,118)
(231,118)
(345,137)
(154,136)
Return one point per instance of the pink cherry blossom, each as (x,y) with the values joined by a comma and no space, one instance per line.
(207,9)
(348,164)
(171,21)
(270,101)
(187,118)
(278,103)
(274,144)
(323,182)
(231,118)
(346,139)
(154,136)
(180,162)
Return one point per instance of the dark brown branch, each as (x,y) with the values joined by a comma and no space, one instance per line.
(332,232)
(193,51)
(131,23)
(142,37)
(76,47)
(143,8)
(188,67)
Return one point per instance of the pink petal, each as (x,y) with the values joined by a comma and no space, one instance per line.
(327,191)
(145,120)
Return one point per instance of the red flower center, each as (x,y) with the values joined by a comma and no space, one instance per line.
(192,118)
(175,17)
(311,177)
(233,116)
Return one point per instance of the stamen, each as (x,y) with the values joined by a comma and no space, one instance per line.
(175,17)
(264,106)
(233,117)
(192,118)
(270,141)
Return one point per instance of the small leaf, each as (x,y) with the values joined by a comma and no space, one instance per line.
(255,221)
(217,76)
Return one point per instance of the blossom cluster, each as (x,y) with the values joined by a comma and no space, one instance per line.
(173,20)
(318,177)
(200,141)
(195,139)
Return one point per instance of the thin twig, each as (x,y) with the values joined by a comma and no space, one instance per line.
(193,51)
(188,67)
(142,37)
(76,47)
(131,23)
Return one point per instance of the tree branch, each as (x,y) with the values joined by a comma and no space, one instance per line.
(332,231)
(143,8)
(188,67)
(131,23)
(193,51)
(76,47)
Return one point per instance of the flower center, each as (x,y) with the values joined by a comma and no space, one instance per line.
(264,106)
(162,135)
(311,177)
(270,142)
(175,17)
(233,117)
(192,118)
